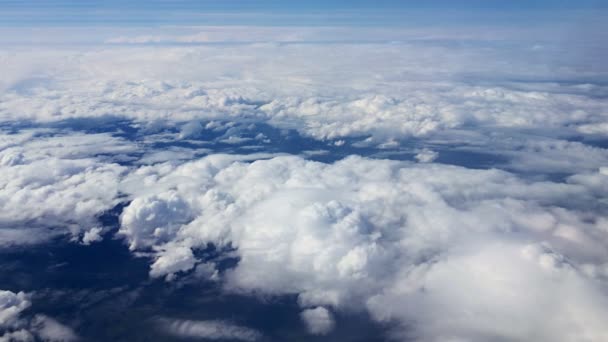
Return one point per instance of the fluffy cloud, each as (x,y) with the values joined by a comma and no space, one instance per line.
(407,242)
(328,91)
(319,320)
(418,111)
(499,290)
(49,182)
(18,327)
(11,306)
(48,329)
(209,330)
(17,336)
(426,156)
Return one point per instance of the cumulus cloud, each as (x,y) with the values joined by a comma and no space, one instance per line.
(11,306)
(210,330)
(387,237)
(17,336)
(426,156)
(17,326)
(319,320)
(57,192)
(92,235)
(524,299)
(406,89)
(49,182)
(48,329)
(172,259)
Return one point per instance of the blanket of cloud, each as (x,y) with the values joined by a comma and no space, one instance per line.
(445,184)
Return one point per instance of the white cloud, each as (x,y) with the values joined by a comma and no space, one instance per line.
(49,182)
(307,34)
(319,320)
(48,329)
(17,336)
(387,236)
(92,235)
(36,144)
(426,156)
(11,306)
(148,220)
(530,153)
(57,192)
(600,128)
(496,290)
(211,330)
(328,91)
(172,259)
(18,327)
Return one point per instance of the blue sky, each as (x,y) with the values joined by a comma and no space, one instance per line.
(275,12)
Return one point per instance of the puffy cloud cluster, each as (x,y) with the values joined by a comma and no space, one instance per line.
(419,110)
(426,156)
(15,326)
(55,182)
(11,305)
(318,320)
(435,248)
(328,91)
(48,329)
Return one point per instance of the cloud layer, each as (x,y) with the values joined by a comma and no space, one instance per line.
(509,247)
(409,88)
(55,182)
(388,237)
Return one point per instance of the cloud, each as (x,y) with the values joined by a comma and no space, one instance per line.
(211,330)
(56,181)
(426,156)
(389,91)
(17,336)
(600,128)
(155,218)
(302,34)
(171,260)
(387,236)
(11,306)
(17,326)
(524,299)
(526,153)
(319,320)
(48,329)
(71,194)
(408,243)
(92,235)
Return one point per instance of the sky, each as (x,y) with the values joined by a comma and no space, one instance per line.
(267,12)
(294,171)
